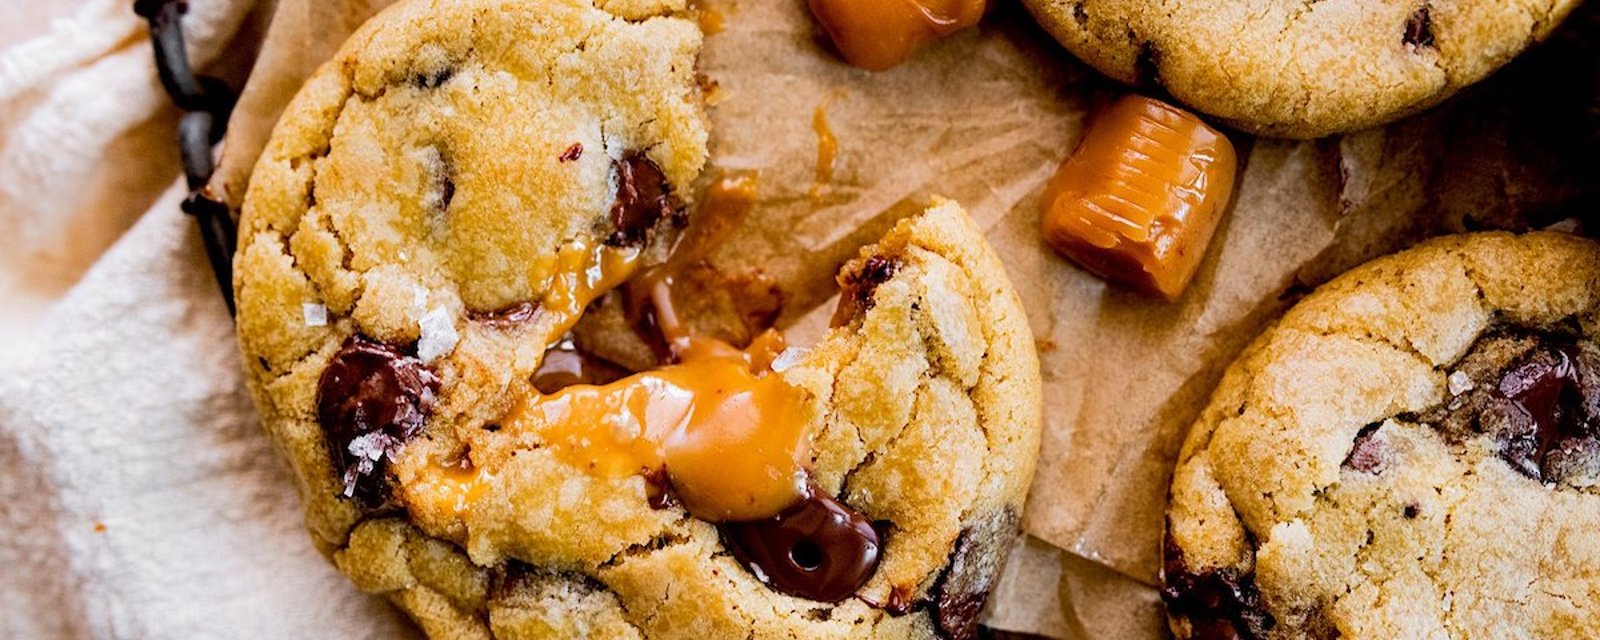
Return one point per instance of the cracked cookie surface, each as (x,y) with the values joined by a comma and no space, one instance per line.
(1301,68)
(434,211)
(1409,452)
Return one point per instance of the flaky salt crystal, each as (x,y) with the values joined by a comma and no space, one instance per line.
(439,335)
(1460,383)
(419,302)
(368,446)
(315,314)
(789,358)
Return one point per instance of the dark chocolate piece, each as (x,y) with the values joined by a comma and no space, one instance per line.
(1368,454)
(643,199)
(859,286)
(508,317)
(818,549)
(371,400)
(573,153)
(1419,28)
(1537,393)
(961,592)
(565,365)
(1218,604)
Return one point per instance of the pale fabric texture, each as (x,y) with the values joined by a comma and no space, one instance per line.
(138,496)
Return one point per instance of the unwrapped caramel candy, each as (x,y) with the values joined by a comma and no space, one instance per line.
(880,34)
(1139,200)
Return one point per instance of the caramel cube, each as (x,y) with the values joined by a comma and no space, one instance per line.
(880,34)
(1139,200)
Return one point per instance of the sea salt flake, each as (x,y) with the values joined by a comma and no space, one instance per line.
(439,335)
(788,359)
(1460,383)
(367,446)
(315,314)
(419,302)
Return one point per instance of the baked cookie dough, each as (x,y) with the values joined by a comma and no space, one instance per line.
(436,210)
(1413,451)
(1301,69)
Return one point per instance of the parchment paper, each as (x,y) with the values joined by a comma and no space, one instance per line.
(985,118)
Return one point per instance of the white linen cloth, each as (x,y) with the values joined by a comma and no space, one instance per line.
(139,497)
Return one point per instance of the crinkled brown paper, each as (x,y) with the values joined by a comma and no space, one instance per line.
(985,118)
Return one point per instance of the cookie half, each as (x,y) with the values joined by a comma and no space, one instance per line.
(1301,69)
(1413,451)
(445,199)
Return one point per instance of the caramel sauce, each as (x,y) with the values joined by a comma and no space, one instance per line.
(723,207)
(711,20)
(1139,200)
(455,484)
(728,432)
(827,150)
(880,34)
(730,435)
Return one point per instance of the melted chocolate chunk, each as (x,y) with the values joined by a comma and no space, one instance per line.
(371,400)
(573,153)
(962,591)
(565,365)
(1419,28)
(818,549)
(860,285)
(658,489)
(1218,604)
(1538,395)
(643,199)
(508,317)
(1369,454)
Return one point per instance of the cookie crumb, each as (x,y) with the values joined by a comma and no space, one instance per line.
(1460,383)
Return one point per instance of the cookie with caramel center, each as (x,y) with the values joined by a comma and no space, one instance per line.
(441,207)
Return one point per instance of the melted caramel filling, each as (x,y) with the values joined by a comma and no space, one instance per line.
(880,34)
(827,150)
(1139,200)
(730,435)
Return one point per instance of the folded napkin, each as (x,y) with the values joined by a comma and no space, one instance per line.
(139,497)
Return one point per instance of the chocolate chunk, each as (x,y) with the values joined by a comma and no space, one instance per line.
(643,199)
(433,79)
(1542,406)
(818,549)
(565,365)
(1541,403)
(1369,454)
(573,153)
(1217,604)
(508,317)
(901,599)
(371,400)
(1419,28)
(962,591)
(658,489)
(858,287)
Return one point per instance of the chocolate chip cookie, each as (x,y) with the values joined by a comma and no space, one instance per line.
(1413,451)
(437,212)
(1301,69)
